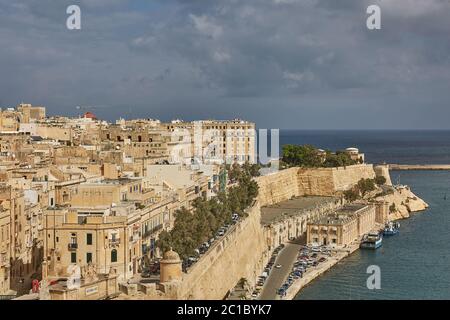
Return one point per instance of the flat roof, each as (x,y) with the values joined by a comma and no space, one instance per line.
(341,215)
(292,207)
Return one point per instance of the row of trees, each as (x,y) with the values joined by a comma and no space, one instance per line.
(235,171)
(363,187)
(194,227)
(310,157)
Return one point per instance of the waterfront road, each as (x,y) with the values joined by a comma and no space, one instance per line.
(286,258)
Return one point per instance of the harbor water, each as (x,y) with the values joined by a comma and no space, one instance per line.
(415,263)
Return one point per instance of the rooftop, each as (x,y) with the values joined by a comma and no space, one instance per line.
(292,207)
(340,216)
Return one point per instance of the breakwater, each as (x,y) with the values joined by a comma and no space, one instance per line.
(419,166)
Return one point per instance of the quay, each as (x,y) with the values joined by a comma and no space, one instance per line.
(320,269)
(419,166)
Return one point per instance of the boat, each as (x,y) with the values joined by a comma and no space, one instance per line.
(373,240)
(391,228)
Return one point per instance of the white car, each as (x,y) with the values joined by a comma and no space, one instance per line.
(278,266)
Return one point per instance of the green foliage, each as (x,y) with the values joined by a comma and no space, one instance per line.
(191,229)
(236,171)
(301,156)
(366,185)
(351,195)
(392,208)
(309,156)
(380,180)
(360,189)
(340,159)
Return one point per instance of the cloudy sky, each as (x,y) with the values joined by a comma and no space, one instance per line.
(281,63)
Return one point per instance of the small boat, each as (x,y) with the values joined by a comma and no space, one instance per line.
(391,228)
(372,240)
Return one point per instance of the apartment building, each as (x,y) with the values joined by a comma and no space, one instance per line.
(217,141)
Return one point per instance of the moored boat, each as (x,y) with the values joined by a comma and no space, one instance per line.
(391,228)
(372,241)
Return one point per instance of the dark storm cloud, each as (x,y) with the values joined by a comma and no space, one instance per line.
(281,63)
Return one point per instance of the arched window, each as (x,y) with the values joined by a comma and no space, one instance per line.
(113,255)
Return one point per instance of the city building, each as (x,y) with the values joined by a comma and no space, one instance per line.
(342,226)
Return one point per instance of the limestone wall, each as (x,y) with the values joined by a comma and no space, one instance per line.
(345,177)
(243,252)
(277,187)
(294,182)
(317,181)
(383,171)
(240,254)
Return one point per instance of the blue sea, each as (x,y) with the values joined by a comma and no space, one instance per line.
(416,263)
(391,146)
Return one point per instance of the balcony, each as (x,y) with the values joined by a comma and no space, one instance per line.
(152,231)
(72,246)
(114,242)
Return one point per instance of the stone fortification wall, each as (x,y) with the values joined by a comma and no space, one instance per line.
(243,252)
(294,182)
(277,187)
(345,177)
(240,254)
(383,170)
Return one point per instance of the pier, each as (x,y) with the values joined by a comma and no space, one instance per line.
(419,166)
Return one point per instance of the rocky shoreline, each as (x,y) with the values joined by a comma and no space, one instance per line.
(403,202)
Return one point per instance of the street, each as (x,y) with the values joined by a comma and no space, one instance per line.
(286,258)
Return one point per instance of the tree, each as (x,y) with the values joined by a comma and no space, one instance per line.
(351,195)
(309,156)
(193,227)
(234,172)
(365,185)
(301,156)
(392,208)
(380,180)
(340,159)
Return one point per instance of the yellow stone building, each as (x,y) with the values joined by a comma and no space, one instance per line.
(343,226)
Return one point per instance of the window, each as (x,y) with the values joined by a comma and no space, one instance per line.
(89,238)
(88,257)
(113,255)
(73,257)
